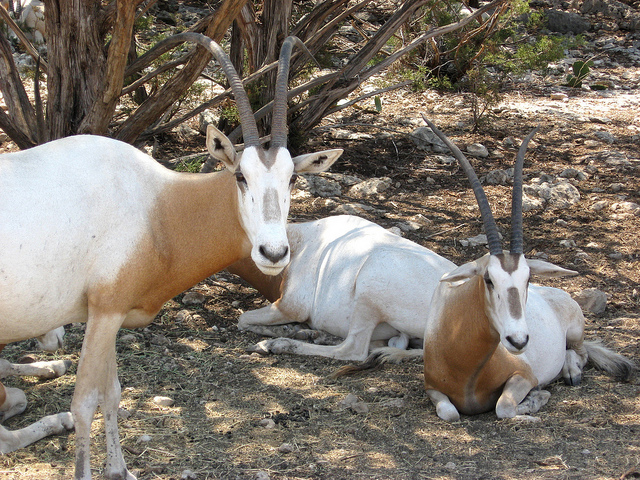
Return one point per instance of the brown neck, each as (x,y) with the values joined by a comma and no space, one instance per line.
(270,286)
(200,222)
(194,233)
(466,332)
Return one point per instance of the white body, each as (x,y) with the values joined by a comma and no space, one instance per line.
(93,230)
(351,278)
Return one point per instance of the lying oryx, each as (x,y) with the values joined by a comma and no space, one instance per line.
(490,337)
(347,277)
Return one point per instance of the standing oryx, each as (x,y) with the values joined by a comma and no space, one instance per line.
(93,230)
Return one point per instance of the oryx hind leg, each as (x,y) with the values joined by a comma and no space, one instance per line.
(534,401)
(574,362)
(269,321)
(355,346)
(576,355)
(513,393)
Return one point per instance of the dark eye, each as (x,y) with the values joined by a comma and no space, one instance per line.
(294,177)
(240,178)
(488,282)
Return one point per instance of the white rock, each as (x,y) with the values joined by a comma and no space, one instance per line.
(592,300)
(478,150)
(319,186)
(267,423)
(480,239)
(163,401)
(373,186)
(188,475)
(599,205)
(425,139)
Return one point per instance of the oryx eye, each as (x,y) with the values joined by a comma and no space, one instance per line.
(488,282)
(240,178)
(294,177)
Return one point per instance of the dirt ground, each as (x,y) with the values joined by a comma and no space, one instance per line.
(196,356)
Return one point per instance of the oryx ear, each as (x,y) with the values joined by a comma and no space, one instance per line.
(463,272)
(546,269)
(221,148)
(316,162)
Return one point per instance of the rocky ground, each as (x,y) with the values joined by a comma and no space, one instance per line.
(238,415)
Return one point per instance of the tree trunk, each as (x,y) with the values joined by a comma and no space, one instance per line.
(77,63)
(153,108)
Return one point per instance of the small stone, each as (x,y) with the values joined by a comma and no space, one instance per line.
(450,466)
(160,340)
(394,402)
(354,403)
(188,475)
(605,137)
(267,423)
(561,223)
(183,316)
(163,401)
(478,150)
(123,413)
(193,298)
(563,97)
(568,243)
(370,187)
(144,439)
(286,448)
(592,300)
(527,418)
(262,475)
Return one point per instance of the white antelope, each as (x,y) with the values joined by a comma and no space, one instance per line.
(348,277)
(13,401)
(93,230)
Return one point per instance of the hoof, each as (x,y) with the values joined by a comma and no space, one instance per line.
(261,347)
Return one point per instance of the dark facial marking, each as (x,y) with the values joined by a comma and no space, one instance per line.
(268,158)
(509,262)
(515,308)
(270,205)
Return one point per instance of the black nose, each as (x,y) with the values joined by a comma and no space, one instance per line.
(274,255)
(518,345)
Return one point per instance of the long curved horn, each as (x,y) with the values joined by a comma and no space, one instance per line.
(490,227)
(517,242)
(279,116)
(249,125)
